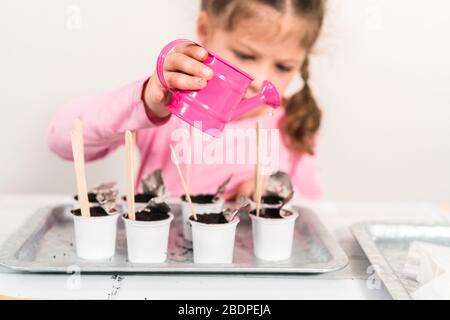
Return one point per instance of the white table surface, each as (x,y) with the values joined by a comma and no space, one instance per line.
(354,282)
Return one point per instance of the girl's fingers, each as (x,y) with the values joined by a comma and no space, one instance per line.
(184,82)
(182,63)
(193,51)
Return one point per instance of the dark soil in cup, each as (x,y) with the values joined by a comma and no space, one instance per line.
(141,197)
(157,212)
(210,218)
(92,197)
(272,199)
(149,216)
(201,198)
(95,212)
(268,213)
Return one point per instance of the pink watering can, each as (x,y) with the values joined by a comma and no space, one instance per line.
(221,100)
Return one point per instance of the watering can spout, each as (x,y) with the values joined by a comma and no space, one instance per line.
(268,96)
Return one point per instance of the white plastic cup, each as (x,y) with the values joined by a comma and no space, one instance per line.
(213,243)
(95,237)
(147,241)
(273,238)
(186,211)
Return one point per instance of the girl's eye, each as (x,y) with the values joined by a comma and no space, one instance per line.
(244,56)
(283,68)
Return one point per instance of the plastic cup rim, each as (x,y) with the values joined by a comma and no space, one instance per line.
(228,225)
(148,223)
(294,216)
(93,219)
(220,200)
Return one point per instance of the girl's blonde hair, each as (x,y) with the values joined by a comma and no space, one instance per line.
(302,118)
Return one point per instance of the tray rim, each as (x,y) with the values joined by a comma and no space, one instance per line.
(338,261)
(383,269)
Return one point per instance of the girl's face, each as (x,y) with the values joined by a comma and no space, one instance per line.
(268,50)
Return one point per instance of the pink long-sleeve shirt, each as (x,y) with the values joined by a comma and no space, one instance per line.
(106,117)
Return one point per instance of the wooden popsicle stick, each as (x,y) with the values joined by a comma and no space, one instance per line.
(189,164)
(259,174)
(188,175)
(80,172)
(260,192)
(129,147)
(183,182)
(255,192)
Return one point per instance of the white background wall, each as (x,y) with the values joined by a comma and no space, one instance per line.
(382,75)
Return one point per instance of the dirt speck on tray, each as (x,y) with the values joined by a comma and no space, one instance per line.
(201,198)
(210,218)
(95,212)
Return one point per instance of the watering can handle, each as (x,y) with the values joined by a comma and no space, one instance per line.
(162,58)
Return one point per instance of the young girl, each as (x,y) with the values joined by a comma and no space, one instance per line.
(269,39)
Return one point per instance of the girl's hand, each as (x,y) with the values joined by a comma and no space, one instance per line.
(246,189)
(183,70)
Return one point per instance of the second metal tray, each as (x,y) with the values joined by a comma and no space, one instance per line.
(45,244)
(387,246)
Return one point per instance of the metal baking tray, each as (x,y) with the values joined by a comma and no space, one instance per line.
(45,244)
(387,246)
